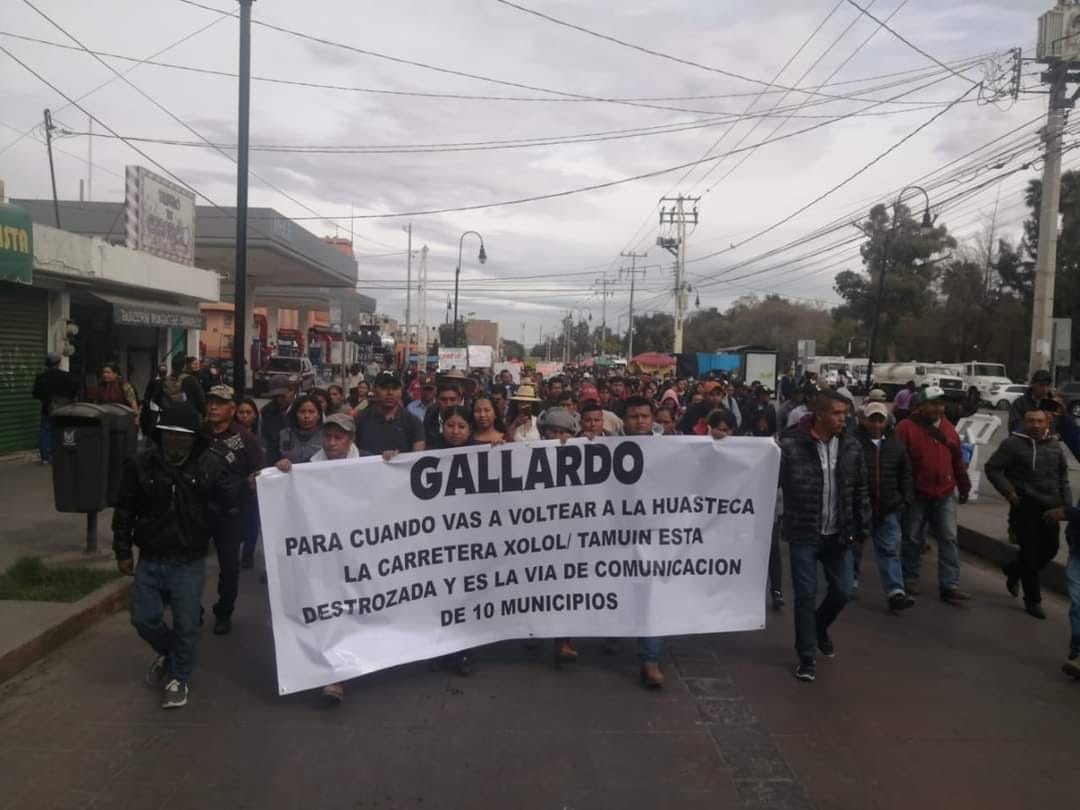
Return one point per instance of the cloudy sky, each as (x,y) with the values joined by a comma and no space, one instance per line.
(545,257)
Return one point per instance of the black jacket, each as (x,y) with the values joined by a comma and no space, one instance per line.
(163,509)
(1037,471)
(888,474)
(54,387)
(802,480)
(272,420)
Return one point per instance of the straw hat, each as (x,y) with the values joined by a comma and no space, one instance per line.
(526,393)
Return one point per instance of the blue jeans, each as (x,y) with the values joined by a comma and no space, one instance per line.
(887,550)
(1072,575)
(812,620)
(940,512)
(45,438)
(648,649)
(179,587)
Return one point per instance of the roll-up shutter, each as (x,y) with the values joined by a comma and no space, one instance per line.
(23,317)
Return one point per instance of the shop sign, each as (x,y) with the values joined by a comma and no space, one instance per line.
(157,318)
(16,244)
(159,216)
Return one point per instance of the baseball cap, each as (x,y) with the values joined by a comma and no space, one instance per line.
(341,420)
(224,392)
(180,418)
(387,379)
(876,409)
(278,387)
(559,418)
(928,394)
(877,395)
(1042,377)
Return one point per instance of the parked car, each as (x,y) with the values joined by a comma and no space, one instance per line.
(1004,396)
(296,370)
(1070,392)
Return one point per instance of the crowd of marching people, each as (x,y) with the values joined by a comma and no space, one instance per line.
(855,481)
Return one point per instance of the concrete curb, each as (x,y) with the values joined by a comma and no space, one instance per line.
(84,613)
(1001,552)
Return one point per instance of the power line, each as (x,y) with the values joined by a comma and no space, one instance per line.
(475,76)
(960,63)
(137,62)
(179,120)
(911,44)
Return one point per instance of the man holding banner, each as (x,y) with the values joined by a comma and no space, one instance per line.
(374,564)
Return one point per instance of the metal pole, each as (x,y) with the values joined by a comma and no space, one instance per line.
(408,297)
(877,308)
(90,160)
(240,277)
(1042,325)
(630,334)
(52,170)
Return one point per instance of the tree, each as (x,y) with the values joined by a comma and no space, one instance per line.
(909,277)
(511,348)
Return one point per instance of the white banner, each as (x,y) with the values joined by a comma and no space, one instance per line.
(512,367)
(373,564)
(480,356)
(453,358)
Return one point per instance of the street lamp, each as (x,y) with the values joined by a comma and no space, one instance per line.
(457,274)
(926,226)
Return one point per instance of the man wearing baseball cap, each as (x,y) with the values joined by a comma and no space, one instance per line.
(161,507)
(231,523)
(941,481)
(891,491)
(386,427)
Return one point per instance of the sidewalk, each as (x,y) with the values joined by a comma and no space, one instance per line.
(33,528)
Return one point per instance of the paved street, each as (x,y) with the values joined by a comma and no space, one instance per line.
(941,707)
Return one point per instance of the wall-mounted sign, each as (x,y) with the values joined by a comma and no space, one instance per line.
(147,316)
(159,216)
(16,244)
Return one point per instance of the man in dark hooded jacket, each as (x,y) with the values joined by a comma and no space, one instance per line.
(161,508)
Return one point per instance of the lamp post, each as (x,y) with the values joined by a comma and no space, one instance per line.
(927,224)
(457,274)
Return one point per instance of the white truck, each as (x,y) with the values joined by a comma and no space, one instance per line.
(891,377)
(986,377)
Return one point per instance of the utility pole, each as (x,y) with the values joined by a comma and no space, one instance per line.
(408,296)
(90,159)
(604,294)
(52,171)
(632,272)
(421,305)
(240,276)
(1042,325)
(678,217)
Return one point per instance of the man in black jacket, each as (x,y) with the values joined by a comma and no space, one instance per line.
(891,490)
(826,510)
(53,388)
(161,507)
(1030,470)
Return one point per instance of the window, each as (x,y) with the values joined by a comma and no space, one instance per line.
(228,320)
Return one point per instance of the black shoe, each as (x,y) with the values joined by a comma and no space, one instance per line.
(900,601)
(202,615)
(1071,667)
(825,645)
(777,599)
(464,666)
(954,596)
(806,671)
(222,626)
(1012,584)
(1034,609)
(247,562)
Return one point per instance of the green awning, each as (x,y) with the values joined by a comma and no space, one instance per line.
(16,244)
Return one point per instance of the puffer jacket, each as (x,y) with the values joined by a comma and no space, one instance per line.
(163,509)
(802,480)
(1035,469)
(888,470)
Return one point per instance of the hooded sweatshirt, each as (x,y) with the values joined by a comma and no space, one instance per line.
(1034,469)
(936,461)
